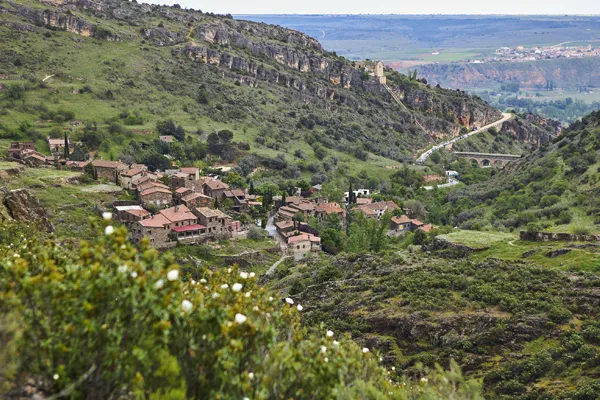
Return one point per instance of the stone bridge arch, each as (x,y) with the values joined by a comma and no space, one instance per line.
(488,160)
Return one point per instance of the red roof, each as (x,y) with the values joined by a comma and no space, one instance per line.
(187,228)
(403,219)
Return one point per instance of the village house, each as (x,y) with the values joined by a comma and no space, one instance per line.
(57,146)
(181,193)
(34,159)
(150,184)
(238,197)
(131,214)
(214,188)
(17,149)
(156,196)
(322,211)
(303,244)
(148,177)
(216,221)
(403,224)
(127,177)
(376,210)
(178,180)
(156,229)
(195,200)
(108,170)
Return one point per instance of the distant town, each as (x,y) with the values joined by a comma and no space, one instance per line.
(523,54)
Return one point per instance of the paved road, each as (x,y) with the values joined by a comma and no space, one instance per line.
(451,182)
(282,244)
(425,156)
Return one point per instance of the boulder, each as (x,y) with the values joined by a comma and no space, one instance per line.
(24,206)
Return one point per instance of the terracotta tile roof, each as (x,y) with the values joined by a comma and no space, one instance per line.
(238,192)
(363,200)
(178,213)
(151,184)
(330,208)
(188,228)
(138,213)
(155,189)
(57,142)
(293,200)
(210,213)
(304,206)
(380,206)
(183,190)
(193,196)
(36,156)
(155,221)
(284,225)
(215,184)
(403,219)
(190,170)
(303,238)
(427,228)
(131,172)
(180,175)
(167,138)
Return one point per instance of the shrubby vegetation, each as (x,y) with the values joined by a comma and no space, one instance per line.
(103,319)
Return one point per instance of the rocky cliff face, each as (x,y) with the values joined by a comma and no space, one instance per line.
(569,73)
(22,205)
(60,20)
(533,129)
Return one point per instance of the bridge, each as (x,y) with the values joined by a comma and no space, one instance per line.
(488,160)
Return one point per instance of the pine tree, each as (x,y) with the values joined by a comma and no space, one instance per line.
(283,199)
(251,190)
(67,152)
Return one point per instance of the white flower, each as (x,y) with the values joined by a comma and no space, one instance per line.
(393,368)
(228,270)
(270,298)
(224,286)
(247,294)
(236,287)
(134,274)
(173,275)
(107,215)
(202,280)
(329,333)
(193,282)
(245,398)
(255,308)
(16,255)
(186,305)
(55,377)
(299,307)
(326,359)
(365,350)
(380,359)
(240,318)
(215,295)
(251,375)
(109,230)
(323,349)
(159,284)
(424,380)
(336,343)
(122,268)
(252,274)
(289,301)
(244,275)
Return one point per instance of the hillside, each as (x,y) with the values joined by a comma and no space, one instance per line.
(113,62)
(528,332)
(556,188)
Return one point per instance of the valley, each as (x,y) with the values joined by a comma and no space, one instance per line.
(202,206)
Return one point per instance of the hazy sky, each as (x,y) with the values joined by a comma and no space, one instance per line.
(391,6)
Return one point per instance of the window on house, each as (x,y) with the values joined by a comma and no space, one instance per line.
(298,247)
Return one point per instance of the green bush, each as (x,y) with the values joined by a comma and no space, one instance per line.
(105,319)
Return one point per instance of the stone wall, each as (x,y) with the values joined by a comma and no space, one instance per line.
(557,237)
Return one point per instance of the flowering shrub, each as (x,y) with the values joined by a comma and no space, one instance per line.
(104,320)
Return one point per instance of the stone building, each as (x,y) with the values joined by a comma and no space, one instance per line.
(131,214)
(194,200)
(17,149)
(57,146)
(156,197)
(214,188)
(216,221)
(108,170)
(127,177)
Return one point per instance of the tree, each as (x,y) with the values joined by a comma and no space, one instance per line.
(169,127)
(90,171)
(332,192)
(420,237)
(67,152)
(415,209)
(251,191)
(227,204)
